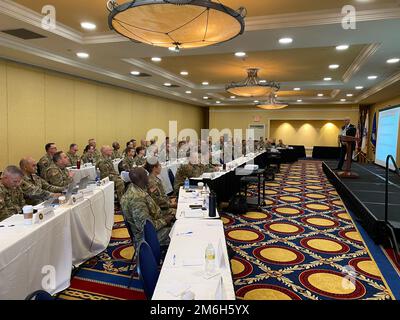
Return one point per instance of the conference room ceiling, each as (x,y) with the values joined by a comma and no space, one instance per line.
(300,67)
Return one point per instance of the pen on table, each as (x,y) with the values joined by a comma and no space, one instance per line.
(174,259)
(184,233)
(12,225)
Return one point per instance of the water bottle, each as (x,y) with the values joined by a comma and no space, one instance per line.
(97,176)
(210,259)
(187,184)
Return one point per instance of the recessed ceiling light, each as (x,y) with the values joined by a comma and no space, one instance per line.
(342,47)
(205,98)
(334,66)
(296,89)
(135,73)
(299,100)
(285,40)
(343,100)
(349,95)
(359,87)
(205,83)
(167,84)
(263,81)
(393,60)
(188,92)
(327,79)
(372,77)
(82,55)
(240,54)
(256,101)
(88,26)
(320,94)
(184,73)
(217,102)
(233,97)
(156,59)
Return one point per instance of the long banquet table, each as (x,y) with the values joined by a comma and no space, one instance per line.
(184,263)
(30,254)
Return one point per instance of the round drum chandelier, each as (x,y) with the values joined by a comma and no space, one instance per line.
(252,87)
(271,104)
(176,24)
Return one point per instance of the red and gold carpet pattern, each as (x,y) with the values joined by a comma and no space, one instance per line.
(107,276)
(302,245)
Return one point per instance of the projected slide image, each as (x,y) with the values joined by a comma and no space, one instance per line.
(388,134)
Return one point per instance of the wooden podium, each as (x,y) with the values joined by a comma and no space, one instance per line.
(347,173)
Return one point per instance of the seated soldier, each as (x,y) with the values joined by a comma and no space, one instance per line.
(36,189)
(57,174)
(138,206)
(140,159)
(280,144)
(72,154)
(129,161)
(88,155)
(106,167)
(116,153)
(47,159)
(193,169)
(156,188)
(11,195)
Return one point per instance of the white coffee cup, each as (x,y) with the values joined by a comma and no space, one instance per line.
(200,184)
(28,214)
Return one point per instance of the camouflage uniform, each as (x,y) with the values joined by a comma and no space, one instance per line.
(140,161)
(88,158)
(11,201)
(116,155)
(106,167)
(96,155)
(188,171)
(137,207)
(73,158)
(44,162)
(128,163)
(157,192)
(36,189)
(57,176)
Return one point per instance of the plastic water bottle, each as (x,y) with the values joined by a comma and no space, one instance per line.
(210,259)
(97,176)
(187,184)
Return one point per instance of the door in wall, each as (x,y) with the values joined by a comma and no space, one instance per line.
(259,131)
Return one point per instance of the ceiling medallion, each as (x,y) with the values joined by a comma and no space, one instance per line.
(179,24)
(252,87)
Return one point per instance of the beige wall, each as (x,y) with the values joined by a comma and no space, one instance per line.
(372,110)
(307,124)
(39,106)
(308,133)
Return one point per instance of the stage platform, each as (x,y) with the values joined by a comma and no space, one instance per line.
(365,196)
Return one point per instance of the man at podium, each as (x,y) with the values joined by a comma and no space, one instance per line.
(347,130)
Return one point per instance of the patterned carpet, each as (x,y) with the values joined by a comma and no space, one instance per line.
(303,245)
(107,276)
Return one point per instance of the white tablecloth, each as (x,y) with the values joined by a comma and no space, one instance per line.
(75,234)
(168,187)
(83,172)
(184,249)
